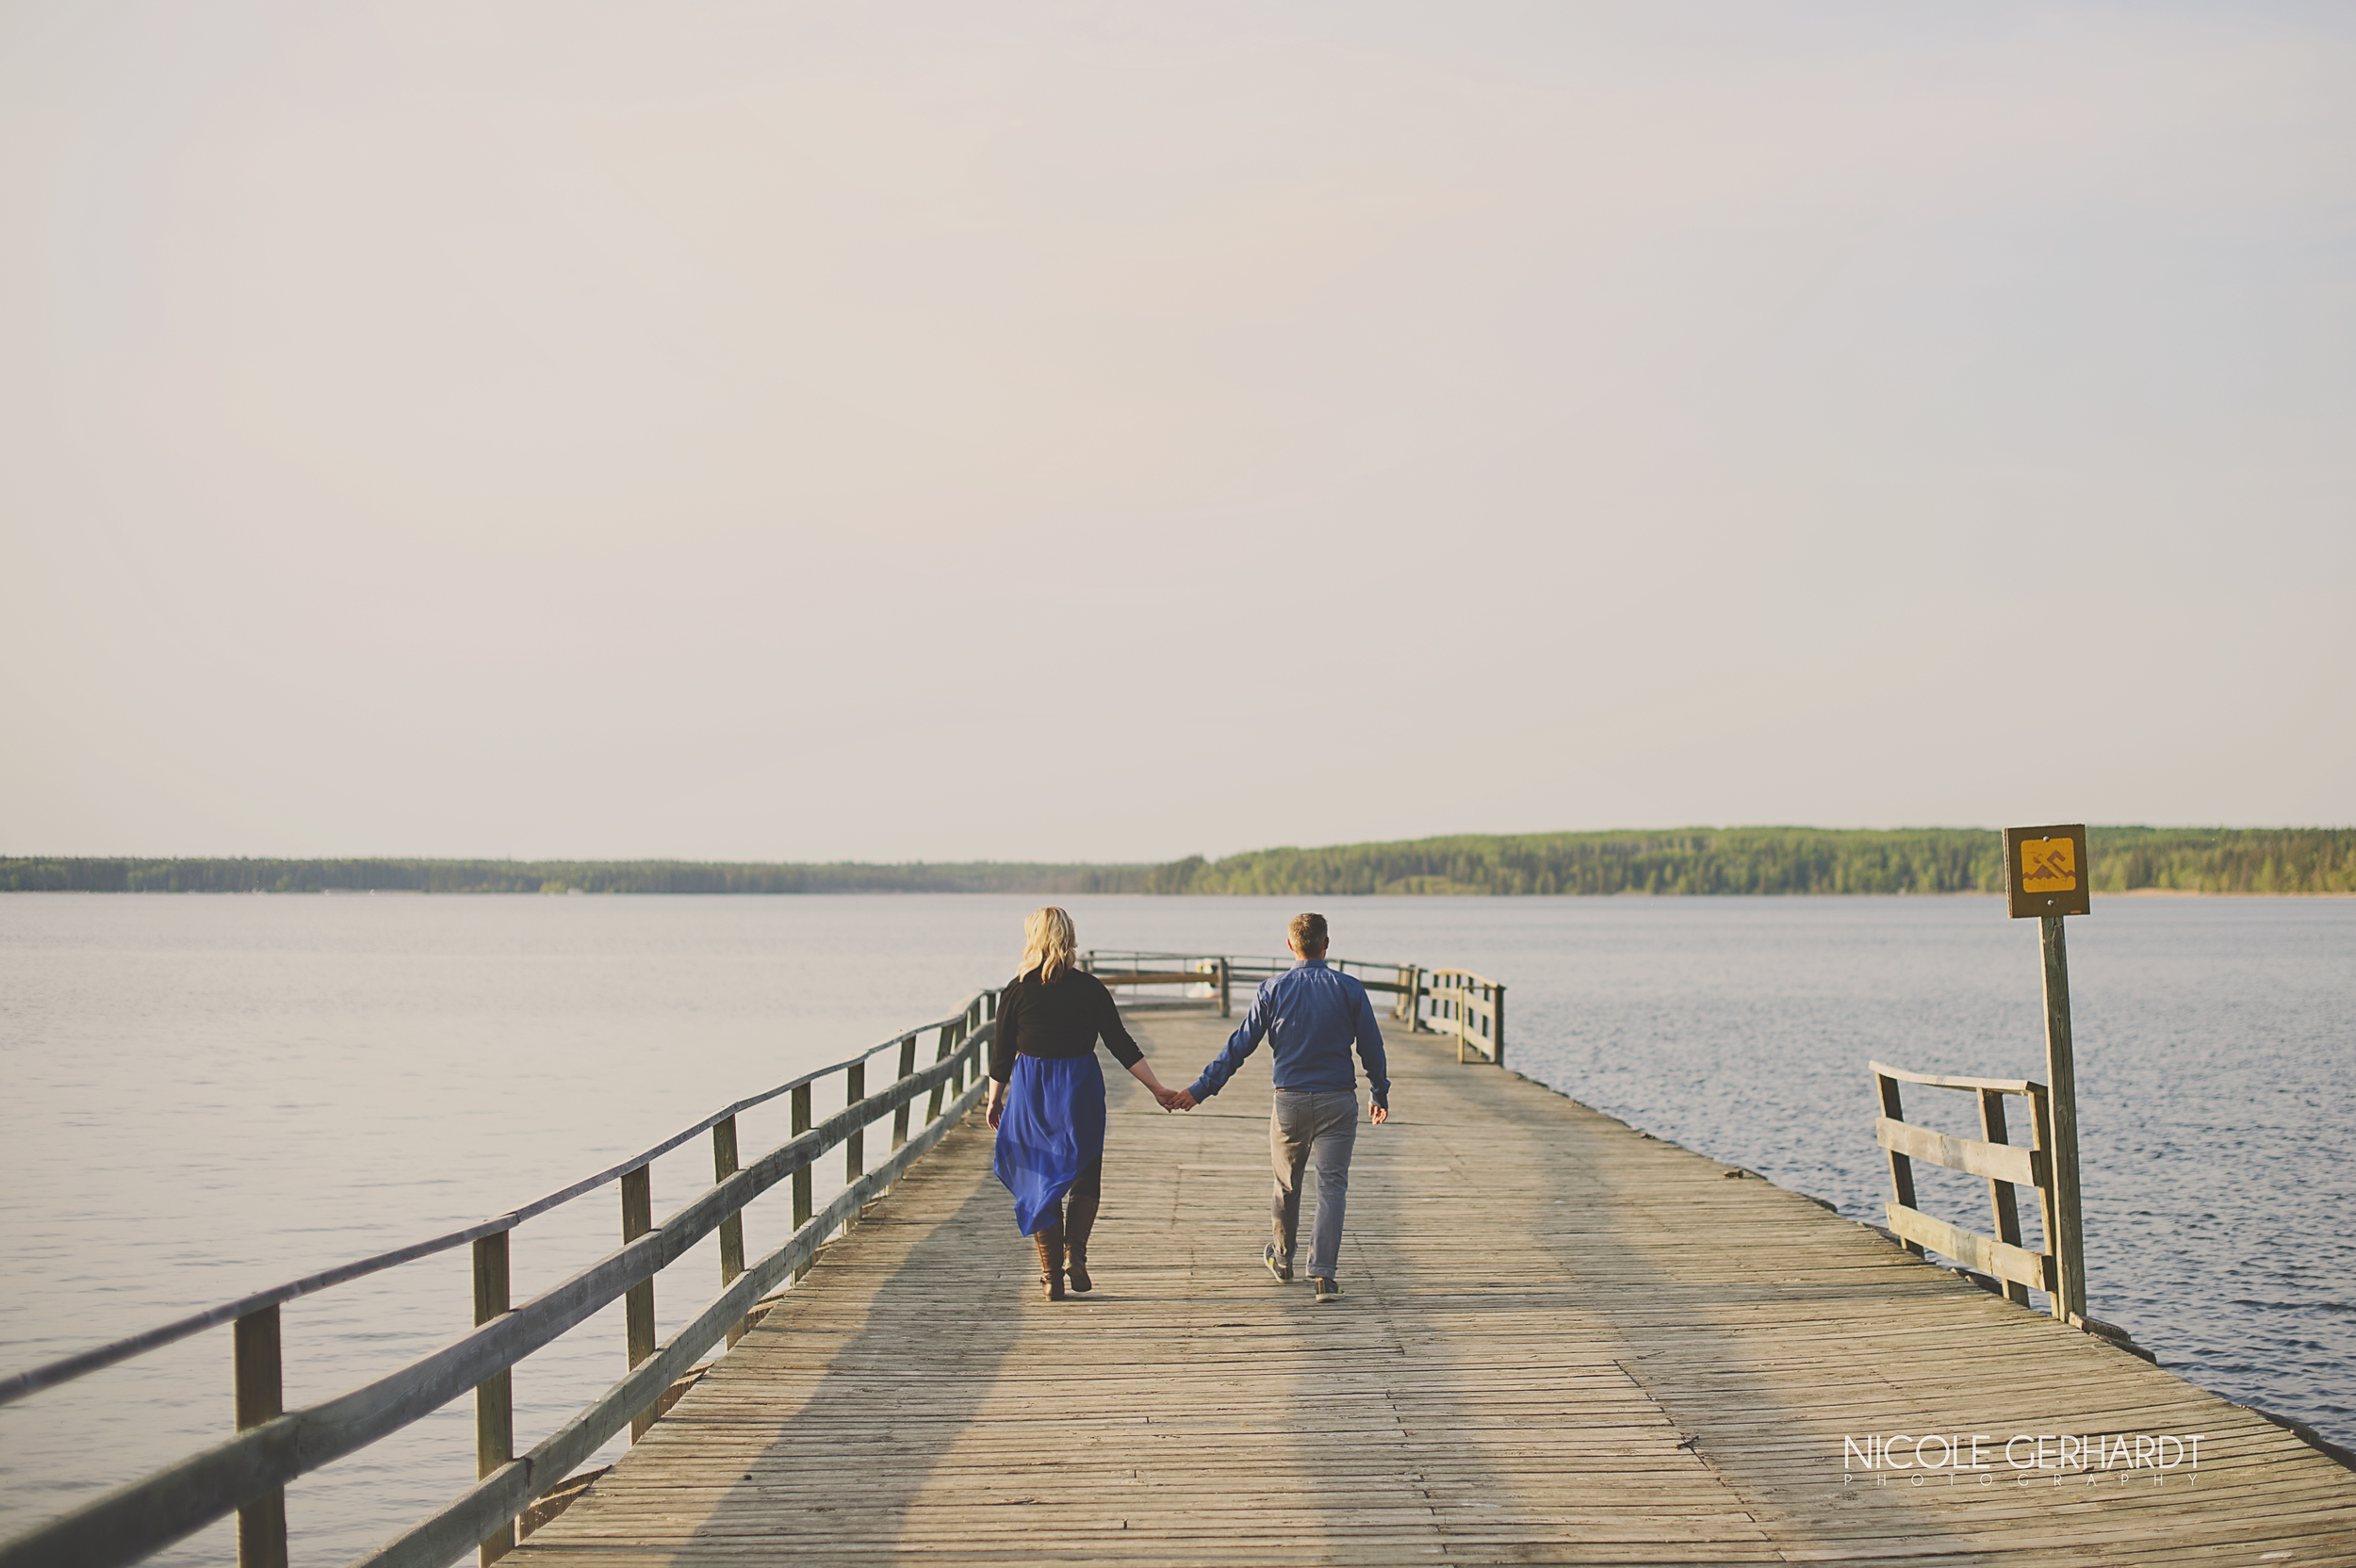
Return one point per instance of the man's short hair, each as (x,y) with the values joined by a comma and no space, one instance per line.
(1308,934)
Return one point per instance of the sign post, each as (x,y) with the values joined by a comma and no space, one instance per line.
(2045,875)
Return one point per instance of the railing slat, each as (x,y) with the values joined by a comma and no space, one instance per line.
(2002,1162)
(2004,1261)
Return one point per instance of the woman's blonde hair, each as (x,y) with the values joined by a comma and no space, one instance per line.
(1049,945)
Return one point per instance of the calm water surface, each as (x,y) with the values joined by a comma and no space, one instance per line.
(207,1095)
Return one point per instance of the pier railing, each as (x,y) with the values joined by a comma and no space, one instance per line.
(248,1474)
(2006,1166)
(1473,1009)
(1442,1000)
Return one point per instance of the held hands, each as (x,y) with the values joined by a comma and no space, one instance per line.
(1378,1113)
(1168,1099)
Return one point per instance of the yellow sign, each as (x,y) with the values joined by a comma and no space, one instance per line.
(2048,865)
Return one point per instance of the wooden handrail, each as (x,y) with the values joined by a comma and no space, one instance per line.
(1464,999)
(83,1362)
(150,1514)
(2003,1164)
(1468,999)
(505,1494)
(1994,1086)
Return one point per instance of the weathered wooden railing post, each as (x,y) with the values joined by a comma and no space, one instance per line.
(731,1229)
(2000,1194)
(1497,1026)
(2041,1125)
(1901,1168)
(900,1117)
(494,1395)
(261,1397)
(1225,1008)
(2061,1075)
(801,1177)
(932,1109)
(638,1305)
(854,1147)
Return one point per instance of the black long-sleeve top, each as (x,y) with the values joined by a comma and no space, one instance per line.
(1061,1020)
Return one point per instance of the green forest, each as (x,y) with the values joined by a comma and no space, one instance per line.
(1686,862)
(1794,860)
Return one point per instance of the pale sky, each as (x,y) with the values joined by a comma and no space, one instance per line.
(966,431)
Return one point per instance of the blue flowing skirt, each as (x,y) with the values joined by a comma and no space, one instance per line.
(1052,1129)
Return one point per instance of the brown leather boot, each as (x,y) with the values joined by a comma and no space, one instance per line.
(1079,1218)
(1050,1241)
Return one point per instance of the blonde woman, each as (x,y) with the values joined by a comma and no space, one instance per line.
(1047,1096)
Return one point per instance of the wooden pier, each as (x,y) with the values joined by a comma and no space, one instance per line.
(1562,1342)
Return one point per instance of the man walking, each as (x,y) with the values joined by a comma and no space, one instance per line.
(1311,1015)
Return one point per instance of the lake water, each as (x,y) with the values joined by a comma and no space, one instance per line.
(207,1095)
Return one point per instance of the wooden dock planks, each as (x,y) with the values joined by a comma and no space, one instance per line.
(1562,1342)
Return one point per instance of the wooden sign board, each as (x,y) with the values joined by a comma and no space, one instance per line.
(2046,871)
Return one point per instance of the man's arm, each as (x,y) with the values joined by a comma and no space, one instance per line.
(1240,1044)
(1370,1052)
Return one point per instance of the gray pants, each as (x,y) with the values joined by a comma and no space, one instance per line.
(1318,1127)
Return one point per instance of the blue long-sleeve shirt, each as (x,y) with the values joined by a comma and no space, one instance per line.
(1310,1015)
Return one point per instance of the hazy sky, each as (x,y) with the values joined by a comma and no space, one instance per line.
(1114,432)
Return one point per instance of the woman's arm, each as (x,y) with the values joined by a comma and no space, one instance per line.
(1001,1052)
(1123,1046)
(1004,1043)
(1144,1071)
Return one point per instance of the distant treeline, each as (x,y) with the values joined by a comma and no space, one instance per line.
(1700,860)
(62,875)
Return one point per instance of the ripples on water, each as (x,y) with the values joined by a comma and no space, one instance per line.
(209,1095)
